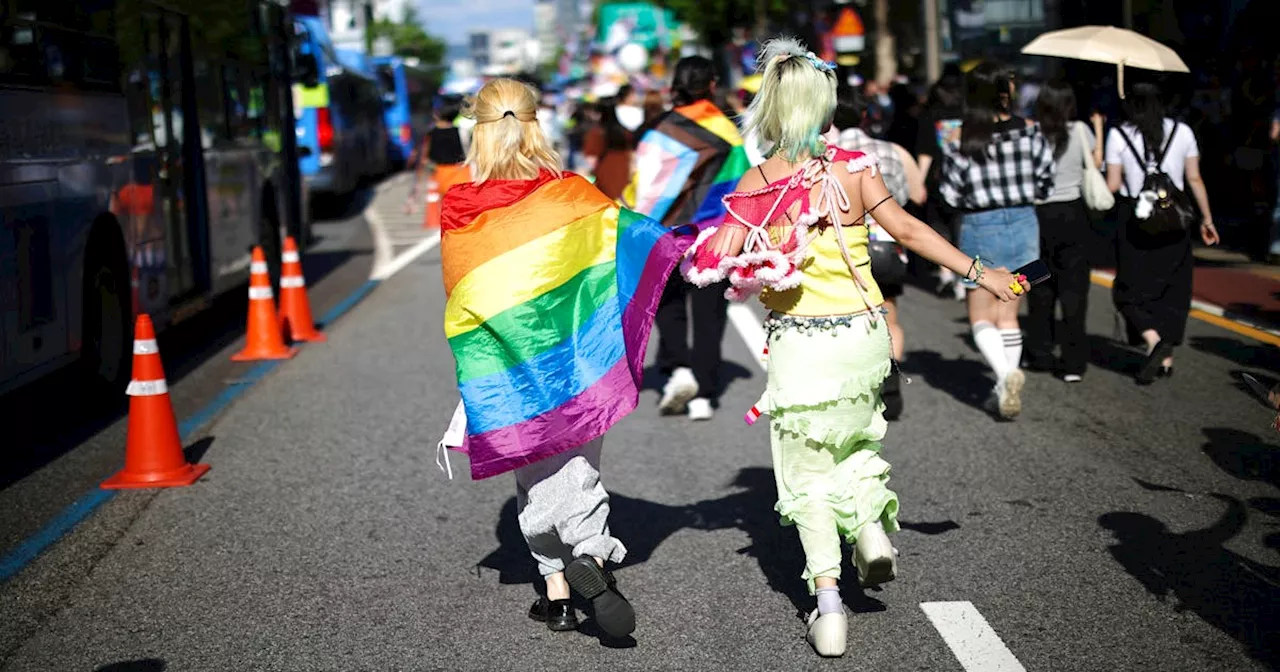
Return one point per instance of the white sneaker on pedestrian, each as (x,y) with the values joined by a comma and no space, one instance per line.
(1072,378)
(828,633)
(700,409)
(874,556)
(680,388)
(1009,390)
(960,291)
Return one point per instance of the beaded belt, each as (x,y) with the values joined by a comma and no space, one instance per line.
(779,322)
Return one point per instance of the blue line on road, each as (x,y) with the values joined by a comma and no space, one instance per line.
(347,303)
(31,547)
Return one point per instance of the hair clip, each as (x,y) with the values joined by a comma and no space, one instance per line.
(509,113)
(824,66)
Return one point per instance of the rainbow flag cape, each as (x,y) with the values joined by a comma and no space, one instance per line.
(552,289)
(686,164)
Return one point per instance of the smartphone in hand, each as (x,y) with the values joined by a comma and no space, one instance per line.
(1036,272)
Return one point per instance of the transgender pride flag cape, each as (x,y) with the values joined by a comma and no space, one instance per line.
(686,164)
(551,292)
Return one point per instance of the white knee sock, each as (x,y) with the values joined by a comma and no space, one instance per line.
(1013,347)
(990,343)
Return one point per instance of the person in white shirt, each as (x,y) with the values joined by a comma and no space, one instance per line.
(1154,273)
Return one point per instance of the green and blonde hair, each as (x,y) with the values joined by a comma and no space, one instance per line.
(507,142)
(796,102)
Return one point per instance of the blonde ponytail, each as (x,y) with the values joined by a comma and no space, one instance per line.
(507,142)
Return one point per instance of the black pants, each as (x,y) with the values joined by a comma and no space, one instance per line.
(1154,277)
(710,310)
(1064,247)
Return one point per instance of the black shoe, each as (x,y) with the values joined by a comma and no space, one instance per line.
(1151,365)
(613,613)
(891,394)
(557,614)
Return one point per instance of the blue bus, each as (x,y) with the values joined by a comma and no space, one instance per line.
(406,99)
(341,137)
(144,152)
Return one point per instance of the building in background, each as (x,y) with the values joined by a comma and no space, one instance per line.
(346,19)
(503,51)
(545,31)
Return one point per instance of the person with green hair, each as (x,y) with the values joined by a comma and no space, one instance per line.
(795,233)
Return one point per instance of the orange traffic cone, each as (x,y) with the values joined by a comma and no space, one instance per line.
(153,451)
(295,309)
(264,340)
(431,213)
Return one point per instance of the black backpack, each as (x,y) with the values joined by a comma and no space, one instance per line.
(1172,211)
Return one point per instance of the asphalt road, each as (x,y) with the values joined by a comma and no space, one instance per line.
(1111,527)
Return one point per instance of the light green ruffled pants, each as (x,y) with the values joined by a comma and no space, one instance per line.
(823,396)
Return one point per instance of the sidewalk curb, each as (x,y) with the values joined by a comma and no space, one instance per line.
(1213,314)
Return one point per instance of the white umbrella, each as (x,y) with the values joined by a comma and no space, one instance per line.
(1108,44)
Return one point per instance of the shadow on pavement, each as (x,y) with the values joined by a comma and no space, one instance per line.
(143,665)
(325,207)
(643,526)
(967,380)
(1226,590)
(1115,357)
(195,452)
(1244,353)
(1243,455)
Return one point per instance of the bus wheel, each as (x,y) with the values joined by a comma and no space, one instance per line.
(105,349)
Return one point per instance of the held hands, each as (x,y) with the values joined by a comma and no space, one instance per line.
(1003,284)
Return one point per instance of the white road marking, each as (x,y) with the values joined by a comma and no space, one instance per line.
(392,228)
(405,258)
(974,643)
(751,330)
(382,248)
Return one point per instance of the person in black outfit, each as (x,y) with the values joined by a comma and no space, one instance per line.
(1064,238)
(1154,272)
(694,369)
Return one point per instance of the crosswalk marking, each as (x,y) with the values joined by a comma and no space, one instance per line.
(974,643)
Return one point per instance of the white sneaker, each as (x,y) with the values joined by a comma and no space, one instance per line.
(874,556)
(961,292)
(700,409)
(1009,391)
(1072,378)
(828,633)
(678,391)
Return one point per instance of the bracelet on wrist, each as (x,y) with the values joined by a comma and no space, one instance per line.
(976,269)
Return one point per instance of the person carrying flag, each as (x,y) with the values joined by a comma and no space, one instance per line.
(683,168)
(551,291)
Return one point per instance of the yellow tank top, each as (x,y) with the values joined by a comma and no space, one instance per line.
(826,287)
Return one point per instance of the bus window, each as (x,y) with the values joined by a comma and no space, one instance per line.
(210,104)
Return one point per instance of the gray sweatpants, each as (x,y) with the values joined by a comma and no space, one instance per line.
(564,510)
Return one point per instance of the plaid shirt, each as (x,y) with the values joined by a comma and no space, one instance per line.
(1018,170)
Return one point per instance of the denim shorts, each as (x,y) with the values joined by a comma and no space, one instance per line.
(1008,237)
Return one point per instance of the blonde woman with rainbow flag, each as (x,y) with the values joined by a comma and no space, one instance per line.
(551,294)
(796,235)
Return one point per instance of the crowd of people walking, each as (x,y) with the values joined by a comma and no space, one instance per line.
(788,196)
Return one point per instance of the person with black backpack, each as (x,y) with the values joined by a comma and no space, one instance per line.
(1151,159)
